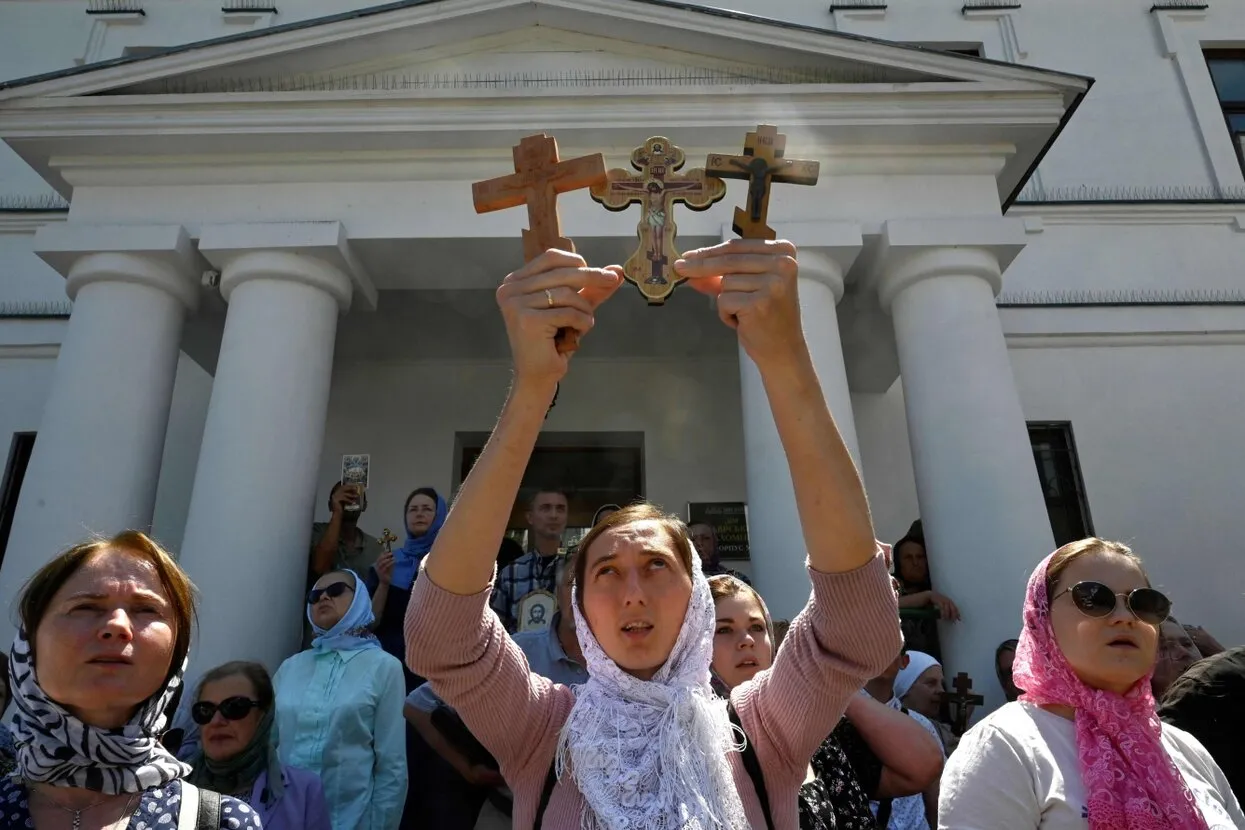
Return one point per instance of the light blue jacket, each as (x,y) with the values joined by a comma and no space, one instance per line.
(339,714)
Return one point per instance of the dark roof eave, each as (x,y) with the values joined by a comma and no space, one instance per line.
(1050,142)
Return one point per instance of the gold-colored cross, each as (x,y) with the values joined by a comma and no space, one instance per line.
(657,187)
(387,539)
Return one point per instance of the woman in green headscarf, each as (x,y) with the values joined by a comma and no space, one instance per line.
(235,712)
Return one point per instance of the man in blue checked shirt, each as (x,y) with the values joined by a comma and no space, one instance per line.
(540,568)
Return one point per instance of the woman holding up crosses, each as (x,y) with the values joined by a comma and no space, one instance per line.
(645,743)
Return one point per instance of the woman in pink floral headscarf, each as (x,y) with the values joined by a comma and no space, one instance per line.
(1083,748)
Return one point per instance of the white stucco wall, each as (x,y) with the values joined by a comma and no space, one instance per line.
(407,414)
(1158,434)
(24,385)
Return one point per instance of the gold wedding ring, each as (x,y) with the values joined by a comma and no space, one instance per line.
(549,297)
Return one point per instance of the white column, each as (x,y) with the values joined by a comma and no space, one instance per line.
(96,459)
(249,525)
(775,538)
(981,502)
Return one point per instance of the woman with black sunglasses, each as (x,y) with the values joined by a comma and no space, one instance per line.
(1083,746)
(339,708)
(235,713)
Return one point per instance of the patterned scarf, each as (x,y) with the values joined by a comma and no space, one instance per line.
(353,631)
(651,755)
(1131,781)
(54,747)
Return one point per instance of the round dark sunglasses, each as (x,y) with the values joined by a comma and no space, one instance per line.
(1093,599)
(231,708)
(332,591)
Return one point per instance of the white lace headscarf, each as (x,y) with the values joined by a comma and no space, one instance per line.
(652,755)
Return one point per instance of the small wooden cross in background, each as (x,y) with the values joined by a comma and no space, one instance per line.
(539,176)
(962,702)
(657,187)
(387,539)
(761,164)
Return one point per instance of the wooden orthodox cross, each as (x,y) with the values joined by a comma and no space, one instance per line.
(962,702)
(539,176)
(657,187)
(387,539)
(761,164)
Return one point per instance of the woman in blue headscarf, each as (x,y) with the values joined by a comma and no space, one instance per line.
(391,578)
(339,709)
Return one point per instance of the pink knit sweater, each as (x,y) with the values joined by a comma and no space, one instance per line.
(848,633)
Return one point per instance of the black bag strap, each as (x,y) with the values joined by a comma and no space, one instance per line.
(546,792)
(884,813)
(209,810)
(753,765)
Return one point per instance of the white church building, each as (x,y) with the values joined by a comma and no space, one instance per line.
(237,243)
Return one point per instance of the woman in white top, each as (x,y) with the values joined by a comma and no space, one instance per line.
(1083,747)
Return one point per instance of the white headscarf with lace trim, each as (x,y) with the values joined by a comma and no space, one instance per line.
(652,755)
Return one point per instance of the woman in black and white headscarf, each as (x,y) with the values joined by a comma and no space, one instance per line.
(105,628)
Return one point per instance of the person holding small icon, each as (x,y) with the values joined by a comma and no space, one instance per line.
(339,542)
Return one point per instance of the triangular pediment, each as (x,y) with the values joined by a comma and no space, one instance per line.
(456,77)
(536,57)
(524,43)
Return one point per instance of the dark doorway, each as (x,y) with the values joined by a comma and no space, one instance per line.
(594,469)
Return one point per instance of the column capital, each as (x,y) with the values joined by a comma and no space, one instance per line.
(317,253)
(159,256)
(911,250)
(827,250)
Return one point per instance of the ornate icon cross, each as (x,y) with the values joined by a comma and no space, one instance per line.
(761,164)
(539,176)
(657,187)
(387,539)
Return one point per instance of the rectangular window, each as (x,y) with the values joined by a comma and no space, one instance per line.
(20,447)
(1227,70)
(1054,452)
(594,468)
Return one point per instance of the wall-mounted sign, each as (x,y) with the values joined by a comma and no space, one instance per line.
(729,520)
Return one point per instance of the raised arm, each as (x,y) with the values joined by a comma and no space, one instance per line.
(555,290)
(755,285)
(850,630)
(324,550)
(452,636)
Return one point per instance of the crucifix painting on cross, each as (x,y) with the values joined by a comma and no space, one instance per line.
(761,164)
(657,187)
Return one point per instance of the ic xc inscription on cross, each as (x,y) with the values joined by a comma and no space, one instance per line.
(539,176)
(761,164)
(657,187)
